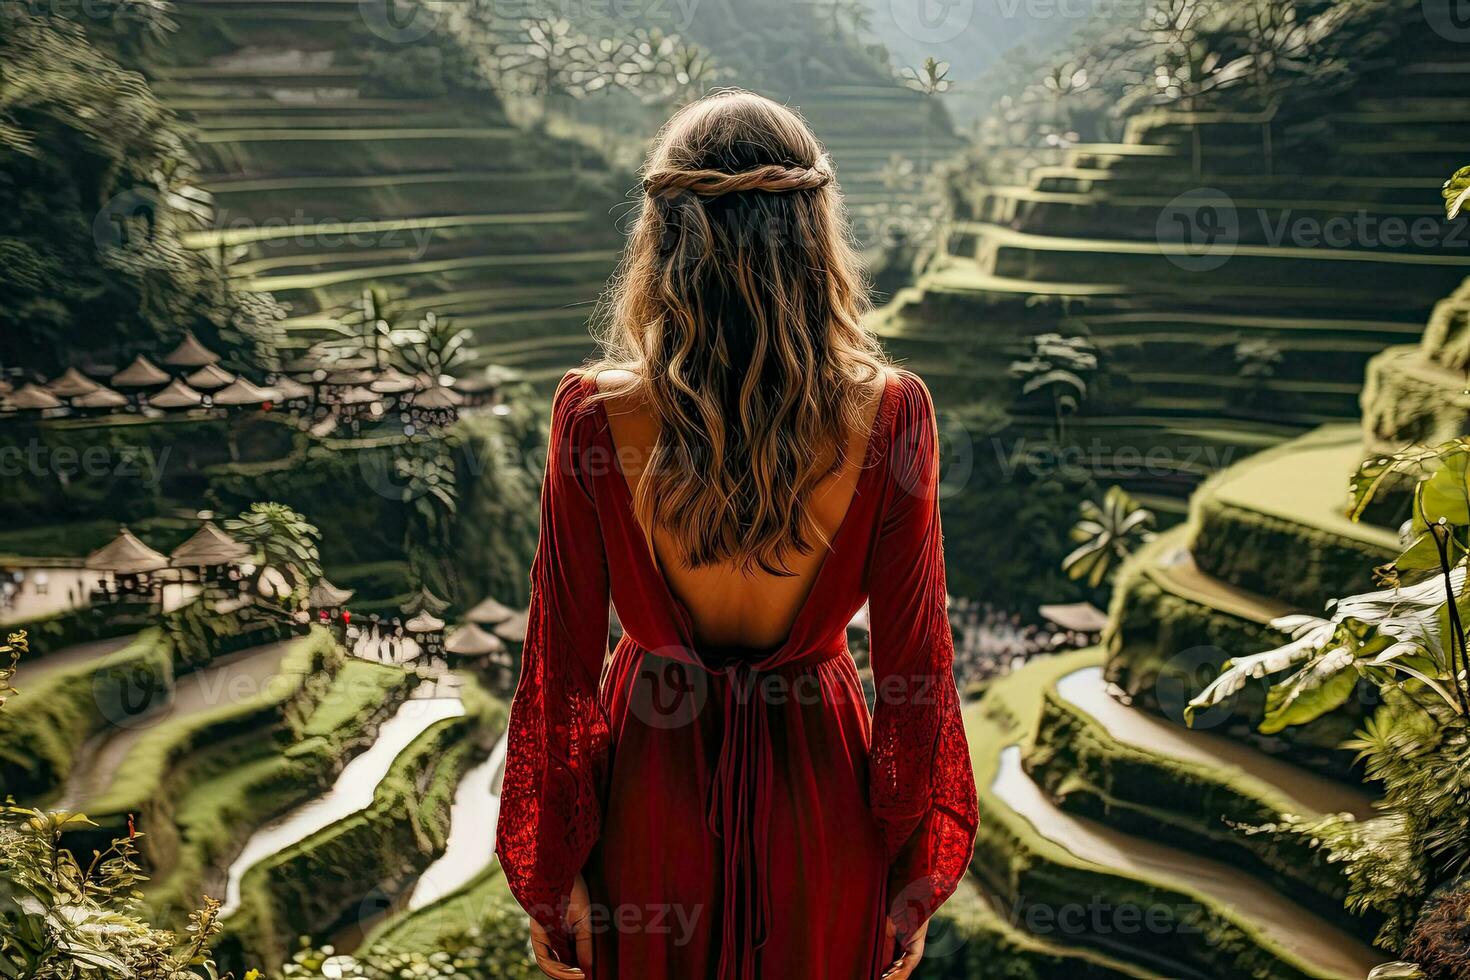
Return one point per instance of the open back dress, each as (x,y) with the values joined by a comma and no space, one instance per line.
(737,814)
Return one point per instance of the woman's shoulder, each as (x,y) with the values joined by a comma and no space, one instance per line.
(905,398)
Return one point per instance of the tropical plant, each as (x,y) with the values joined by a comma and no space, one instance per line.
(1456,192)
(10,653)
(433,347)
(1059,366)
(1408,640)
(96,189)
(1108,533)
(374,329)
(284,544)
(547,60)
(1257,359)
(931,78)
(59,920)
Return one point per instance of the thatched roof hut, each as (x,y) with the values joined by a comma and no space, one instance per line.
(190,354)
(126,555)
(142,373)
(209,547)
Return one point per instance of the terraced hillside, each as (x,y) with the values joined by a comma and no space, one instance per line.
(1234,270)
(326,182)
(329,178)
(1095,785)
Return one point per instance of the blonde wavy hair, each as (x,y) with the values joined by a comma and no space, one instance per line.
(737,312)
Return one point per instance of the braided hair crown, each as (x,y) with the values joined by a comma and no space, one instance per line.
(772,178)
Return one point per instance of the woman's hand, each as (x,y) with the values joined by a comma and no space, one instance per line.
(579,921)
(913,951)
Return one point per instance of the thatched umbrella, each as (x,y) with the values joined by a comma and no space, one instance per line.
(242,392)
(190,354)
(142,373)
(489,612)
(130,560)
(126,555)
(209,547)
(71,384)
(210,377)
(513,630)
(471,641)
(325,595)
(177,395)
(32,398)
(100,398)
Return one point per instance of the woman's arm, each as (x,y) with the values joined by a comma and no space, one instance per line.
(549,807)
(922,787)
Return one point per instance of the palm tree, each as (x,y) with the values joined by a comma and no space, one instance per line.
(1060,366)
(931,79)
(433,347)
(286,546)
(1107,534)
(374,330)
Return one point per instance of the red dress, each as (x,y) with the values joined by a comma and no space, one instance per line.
(737,814)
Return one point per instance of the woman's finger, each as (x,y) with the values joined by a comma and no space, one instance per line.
(907,963)
(547,962)
(549,965)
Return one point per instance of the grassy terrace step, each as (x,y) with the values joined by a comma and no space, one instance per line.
(1410,399)
(555,262)
(1274,524)
(223,780)
(277,233)
(1170,628)
(1205,919)
(1006,252)
(401,831)
(401,196)
(199,699)
(1188,787)
(41,731)
(1260,221)
(1384,189)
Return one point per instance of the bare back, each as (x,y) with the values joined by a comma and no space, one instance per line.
(731,608)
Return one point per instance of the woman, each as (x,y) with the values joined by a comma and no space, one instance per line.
(740,474)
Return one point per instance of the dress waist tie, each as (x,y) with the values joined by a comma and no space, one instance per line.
(739,810)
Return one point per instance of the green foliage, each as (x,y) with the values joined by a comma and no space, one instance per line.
(1058,367)
(1107,534)
(283,541)
(465,955)
(1409,641)
(44,728)
(61,921)
(11,650)
(95,187)
(1456,192)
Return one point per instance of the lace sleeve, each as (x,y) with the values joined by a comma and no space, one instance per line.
(558,739)
(922,787)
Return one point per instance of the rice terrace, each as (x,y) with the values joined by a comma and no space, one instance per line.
(288,289)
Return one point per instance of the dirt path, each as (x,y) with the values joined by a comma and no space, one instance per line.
(238,676)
